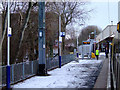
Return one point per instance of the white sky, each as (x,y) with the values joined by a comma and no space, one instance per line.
(102,15)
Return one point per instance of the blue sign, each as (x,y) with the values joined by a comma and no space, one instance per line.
(62,34)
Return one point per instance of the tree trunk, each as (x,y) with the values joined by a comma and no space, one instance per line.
(63,39)
(24,27)
(3,38)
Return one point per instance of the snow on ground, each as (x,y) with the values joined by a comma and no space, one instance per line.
(102,53)
(75,74)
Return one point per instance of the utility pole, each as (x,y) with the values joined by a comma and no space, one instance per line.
(41,39)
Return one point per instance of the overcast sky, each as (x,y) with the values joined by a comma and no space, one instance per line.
(103,14)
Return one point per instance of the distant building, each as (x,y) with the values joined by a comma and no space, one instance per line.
(106,36)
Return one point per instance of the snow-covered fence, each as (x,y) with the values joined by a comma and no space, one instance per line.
(54,62)
(24,70)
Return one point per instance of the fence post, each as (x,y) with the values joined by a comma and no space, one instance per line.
(23,71)
(48,63)
(32,67)
(0,76)
(12,73)
(54,62)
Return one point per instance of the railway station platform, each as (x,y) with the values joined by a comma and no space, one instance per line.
(103,80)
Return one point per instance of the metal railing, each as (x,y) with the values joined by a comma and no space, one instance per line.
(54,62)
(20,71)
(24,70)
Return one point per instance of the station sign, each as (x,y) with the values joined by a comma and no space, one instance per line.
(60,39)
(40,33)
(9,32)
(62,34)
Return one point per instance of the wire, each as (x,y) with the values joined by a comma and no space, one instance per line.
(108,12)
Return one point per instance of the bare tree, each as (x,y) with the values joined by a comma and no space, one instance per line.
(24,40)
(20,22)
(51,31)
(84,35)
(70,40)
(69,11)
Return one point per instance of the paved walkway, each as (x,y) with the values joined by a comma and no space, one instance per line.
(101,81)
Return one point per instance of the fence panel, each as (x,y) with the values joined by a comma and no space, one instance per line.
(35,67)
(24,70)
(54,62)
(18,72)
(3,75)
(28,69)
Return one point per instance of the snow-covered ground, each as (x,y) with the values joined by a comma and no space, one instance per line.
(76,74)
(102,53)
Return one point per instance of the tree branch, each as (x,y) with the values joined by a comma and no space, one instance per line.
(25,25)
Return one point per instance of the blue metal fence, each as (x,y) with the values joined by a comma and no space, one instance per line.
(24,70)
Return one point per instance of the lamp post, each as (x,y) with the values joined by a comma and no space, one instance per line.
(8,47)
(77,47)
(60,41)
(61,34)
